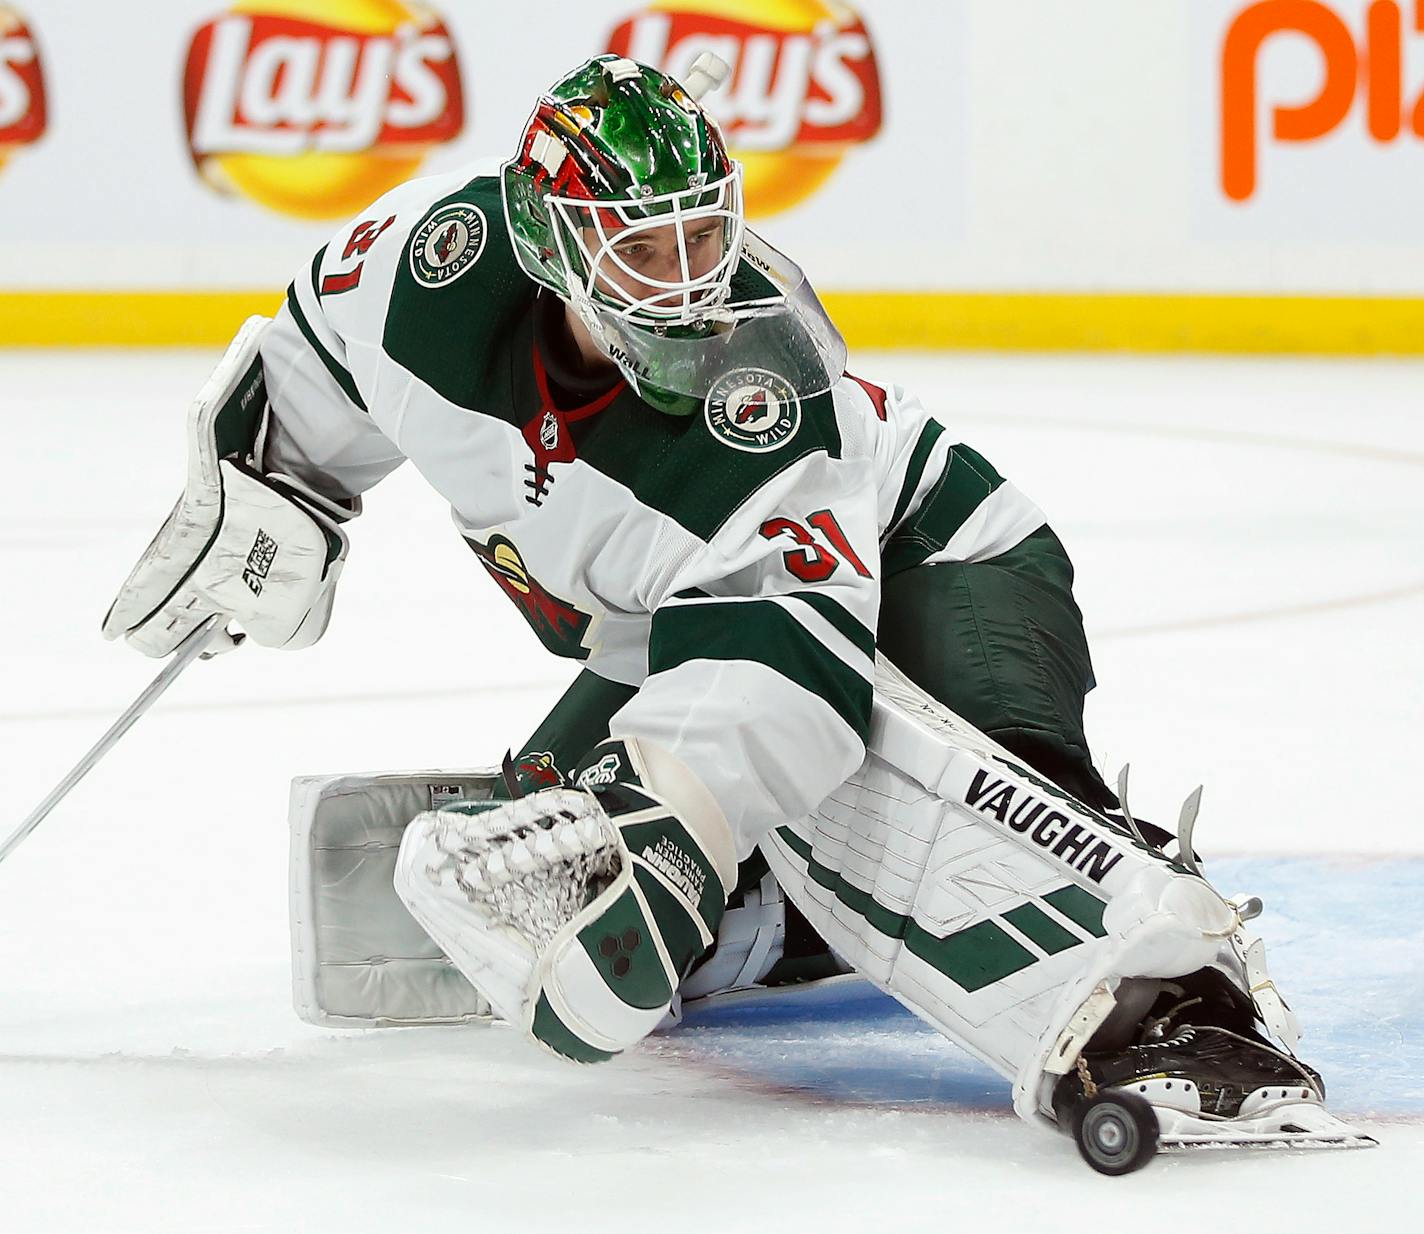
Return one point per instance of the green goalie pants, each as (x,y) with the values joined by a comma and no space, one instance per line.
(999,642)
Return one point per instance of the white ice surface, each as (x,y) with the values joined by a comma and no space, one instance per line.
(1249,538)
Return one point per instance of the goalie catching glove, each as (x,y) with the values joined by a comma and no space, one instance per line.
(576,911)
(263,550)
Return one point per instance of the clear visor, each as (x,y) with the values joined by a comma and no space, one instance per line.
(786,332)
(665,259)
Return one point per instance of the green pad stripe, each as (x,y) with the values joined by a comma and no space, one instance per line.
(560,1038)
(887,921)
(338,371)
(760,632)
(235,425)
(665,845)
(796,844)
(841,618)
(1041,929)
(972,958)
(679,932)
(1080,906)
(915,470)
(620,944)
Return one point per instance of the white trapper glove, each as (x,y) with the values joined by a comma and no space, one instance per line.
(263,550)
(577,911)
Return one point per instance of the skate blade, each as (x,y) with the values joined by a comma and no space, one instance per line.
(1299,1125)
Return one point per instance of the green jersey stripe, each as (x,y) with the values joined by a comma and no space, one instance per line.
(915,470)
(835,614)
(841,618)
(316,271)
(966,481)
(339,373)
(760,632)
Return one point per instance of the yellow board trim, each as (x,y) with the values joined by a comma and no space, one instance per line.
(1018,321)
(1320,325)
(128,318)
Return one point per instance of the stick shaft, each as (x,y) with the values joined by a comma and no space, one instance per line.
(184,654)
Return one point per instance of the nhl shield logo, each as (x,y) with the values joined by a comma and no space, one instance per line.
(447,244)
(753,409)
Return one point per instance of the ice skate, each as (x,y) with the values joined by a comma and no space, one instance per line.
(1198,1075)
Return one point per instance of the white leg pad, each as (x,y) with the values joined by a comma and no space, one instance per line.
(359,959)
(984,899)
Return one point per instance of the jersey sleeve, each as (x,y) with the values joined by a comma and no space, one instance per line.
(320,431)
(941,501)
(761,658)
(322,354)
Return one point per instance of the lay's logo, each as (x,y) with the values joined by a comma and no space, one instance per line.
(22,91)
(316,107)
(804,88)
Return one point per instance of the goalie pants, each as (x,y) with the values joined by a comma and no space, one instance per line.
(999,642)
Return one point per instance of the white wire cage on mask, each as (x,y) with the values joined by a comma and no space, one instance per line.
(601,272)
(772,321)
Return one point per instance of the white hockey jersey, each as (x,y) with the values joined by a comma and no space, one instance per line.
(726,563)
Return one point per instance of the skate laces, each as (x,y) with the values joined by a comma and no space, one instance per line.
(1218,1042)
(533,863)
(1156,1026)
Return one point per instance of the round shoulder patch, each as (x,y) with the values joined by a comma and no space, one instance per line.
(753,409)
(447,244)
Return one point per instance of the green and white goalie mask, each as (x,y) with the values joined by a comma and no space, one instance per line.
(624,202)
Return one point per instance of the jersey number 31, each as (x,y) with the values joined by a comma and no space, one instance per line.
(812,562)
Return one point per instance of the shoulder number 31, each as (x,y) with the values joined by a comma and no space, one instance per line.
(812,562)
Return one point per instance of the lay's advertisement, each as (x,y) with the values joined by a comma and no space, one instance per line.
(316,109)
(22,86)
(936,156)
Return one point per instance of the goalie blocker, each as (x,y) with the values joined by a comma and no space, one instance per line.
(1053,943)
(265,550)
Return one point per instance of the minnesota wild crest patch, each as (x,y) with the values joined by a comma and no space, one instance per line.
(753,409)
(447,244)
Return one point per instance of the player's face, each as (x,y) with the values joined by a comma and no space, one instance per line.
(652,254)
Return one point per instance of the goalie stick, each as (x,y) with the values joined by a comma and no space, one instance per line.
(183,655)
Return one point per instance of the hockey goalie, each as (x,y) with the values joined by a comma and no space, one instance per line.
(830,712)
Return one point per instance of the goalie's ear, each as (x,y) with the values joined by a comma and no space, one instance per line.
(227,415)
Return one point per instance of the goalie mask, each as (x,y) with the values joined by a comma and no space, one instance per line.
(624,202)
